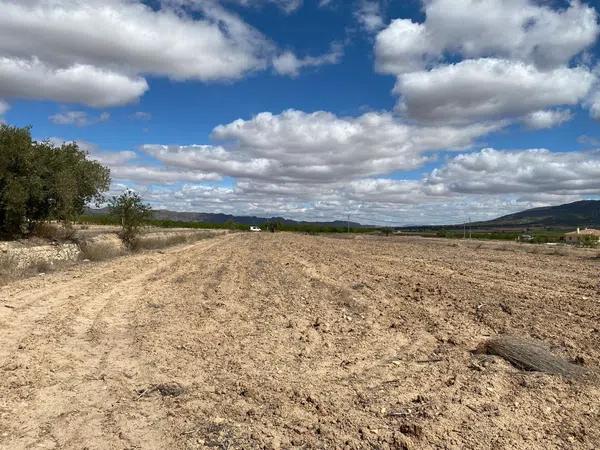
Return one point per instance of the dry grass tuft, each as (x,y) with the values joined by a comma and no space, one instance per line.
(162,240)
(54,232)
(8,266)
(529,354)
(100,250)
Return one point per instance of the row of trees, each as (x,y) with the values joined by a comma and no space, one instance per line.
(41,181)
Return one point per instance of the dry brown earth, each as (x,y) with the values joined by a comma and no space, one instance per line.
(289,341)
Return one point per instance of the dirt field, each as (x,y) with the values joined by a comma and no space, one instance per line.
(289,341)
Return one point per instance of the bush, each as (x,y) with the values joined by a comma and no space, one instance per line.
(589,242)
(131,212)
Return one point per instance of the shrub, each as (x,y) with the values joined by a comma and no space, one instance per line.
(132,212)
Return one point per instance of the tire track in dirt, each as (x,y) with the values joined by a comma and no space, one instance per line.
(85,337)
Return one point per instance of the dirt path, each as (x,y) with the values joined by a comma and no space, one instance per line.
(290,341)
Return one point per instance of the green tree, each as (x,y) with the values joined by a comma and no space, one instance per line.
(17,178)
(131,212)
(75,180)
(41,181)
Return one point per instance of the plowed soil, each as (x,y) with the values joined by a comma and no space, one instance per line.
(282,340)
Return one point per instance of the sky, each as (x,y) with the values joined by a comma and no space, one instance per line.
(395,112)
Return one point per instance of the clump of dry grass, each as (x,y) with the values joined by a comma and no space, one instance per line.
(529,354)
(54,232)
(100,250)
(8,266)
(162,240)
(42,266)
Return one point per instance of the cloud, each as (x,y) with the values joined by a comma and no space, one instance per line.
(533,171)
(403,47)
(539,120)
(370,15)
(474,60)
(288,6)
(588,140)
(318,147)
(157,175)
(96,52)
(141,115)
(112,159)
(289,64)
(126,167)
(520,30)
(31,78)
(593,103)
(3,108)
(488,88)
(131,35)
(78,118)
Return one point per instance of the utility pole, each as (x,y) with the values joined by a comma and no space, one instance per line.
(348,223)
(470,235)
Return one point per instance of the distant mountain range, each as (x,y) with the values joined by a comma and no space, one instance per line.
(585,213)
(163,214)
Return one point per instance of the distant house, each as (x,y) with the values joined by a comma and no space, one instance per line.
(575,237)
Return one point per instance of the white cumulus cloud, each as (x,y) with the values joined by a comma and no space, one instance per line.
(97,52)
(533,171)
(488,88)
(472,60)
(318,147)
(539,120)
(522,30)
(77,83)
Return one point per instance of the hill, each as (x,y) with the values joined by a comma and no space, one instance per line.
(577,214)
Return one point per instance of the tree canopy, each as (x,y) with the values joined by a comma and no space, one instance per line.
(40,181)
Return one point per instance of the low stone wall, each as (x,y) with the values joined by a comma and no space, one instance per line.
(23,256)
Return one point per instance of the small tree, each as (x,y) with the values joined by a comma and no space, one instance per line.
(131,211)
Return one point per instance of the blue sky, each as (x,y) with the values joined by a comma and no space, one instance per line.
(391,111)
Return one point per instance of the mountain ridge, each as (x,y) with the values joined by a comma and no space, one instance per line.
(583,213)
(218,218)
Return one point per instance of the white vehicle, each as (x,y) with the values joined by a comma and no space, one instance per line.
(255,229)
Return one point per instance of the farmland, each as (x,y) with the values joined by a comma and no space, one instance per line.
(295,341)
